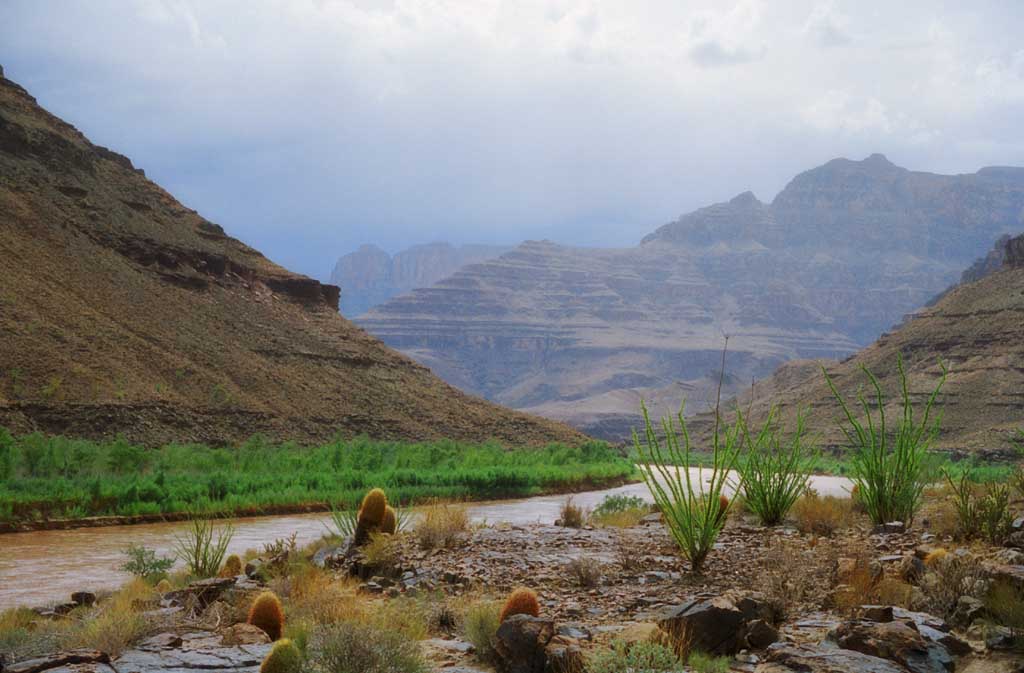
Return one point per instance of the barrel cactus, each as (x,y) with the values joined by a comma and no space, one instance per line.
(232,567)
(284,657)
(371,515)
(390,523)
(267,614)
(522,601)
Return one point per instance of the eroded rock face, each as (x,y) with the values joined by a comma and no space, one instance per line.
(843,253)
(720,625)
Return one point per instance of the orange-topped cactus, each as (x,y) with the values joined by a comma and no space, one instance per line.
(522,601)
(266,613)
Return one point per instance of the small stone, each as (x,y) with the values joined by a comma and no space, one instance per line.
(83,598)
(760,634)
(876,613)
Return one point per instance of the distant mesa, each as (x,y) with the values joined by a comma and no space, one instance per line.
(369,276)
(839,256)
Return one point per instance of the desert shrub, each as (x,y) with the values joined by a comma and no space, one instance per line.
(889,468)
(113,625)
(987,516)
(232,566)
(706,663)
(1005,602)
(200,550)
(18,628)
(693,514)
(522,601)
(584,571)
(947,577)
(163,586)
(571,515)
(405,615)
(266,613)
(623,657)
(479,624)
(442,525)
(776,474)
(620,511)
(382,552)
(144,563)
(319,596)
(821,515)
(351,647)
(6,455)
(284,657)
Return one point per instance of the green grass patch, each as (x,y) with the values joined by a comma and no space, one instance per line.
(57,477)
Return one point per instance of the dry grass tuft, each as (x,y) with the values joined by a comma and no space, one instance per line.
(480,621)
(822,515)
(383,552)
(585,571)
(443,525)
(572,516)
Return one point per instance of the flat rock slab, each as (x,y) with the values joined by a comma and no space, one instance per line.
(81,661)
(823,659)
(168,653)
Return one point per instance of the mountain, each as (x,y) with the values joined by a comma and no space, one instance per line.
(845,251)
(976,329)
(369,276)
(123,311)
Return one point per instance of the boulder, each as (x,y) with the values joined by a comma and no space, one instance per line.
(202,592)
(967,610)
(243,634)
(715,625)
(563,655)
(83,598)
(195,650)
(824,658)
(760,634)
(78,660)
(521,642)
(897,641)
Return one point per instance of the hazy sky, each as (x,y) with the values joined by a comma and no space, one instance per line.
(308,127)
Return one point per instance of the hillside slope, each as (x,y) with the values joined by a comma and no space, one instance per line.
(844,252)
(976,329)
(123,311)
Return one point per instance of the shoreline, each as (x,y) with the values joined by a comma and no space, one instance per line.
(7,528)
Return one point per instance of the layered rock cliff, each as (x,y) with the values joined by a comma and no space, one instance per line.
(369,276)
(976,330)
(581,335)
(124,312)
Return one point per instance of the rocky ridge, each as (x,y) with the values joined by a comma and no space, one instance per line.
(976,330)
(582,335)
(125,312)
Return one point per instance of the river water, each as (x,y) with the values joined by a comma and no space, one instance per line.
(43,567)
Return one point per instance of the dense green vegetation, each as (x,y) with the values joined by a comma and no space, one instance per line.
(58,477)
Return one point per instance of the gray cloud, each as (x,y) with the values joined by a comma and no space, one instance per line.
(307,127)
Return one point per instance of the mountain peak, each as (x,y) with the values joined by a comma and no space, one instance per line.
(747,198)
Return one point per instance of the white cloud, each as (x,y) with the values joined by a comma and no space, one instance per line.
(827,26)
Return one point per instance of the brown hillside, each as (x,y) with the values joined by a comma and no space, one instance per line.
(122,311)
(977,330)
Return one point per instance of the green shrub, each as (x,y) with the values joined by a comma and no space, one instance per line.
(987,516)
(617,503)
(201,552)
(479,625)
(706,663)
(350,647)
(624,657)
(775,475)
(6,455)
(889,468)
(144,563)
(694,514)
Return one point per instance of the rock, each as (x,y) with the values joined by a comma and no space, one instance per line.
(520,643)
(194,650)
(1015,540)
(83,598)
(563,655)
(875,613)
(203,592)
(329,557)
(253,568)
(714,626)
(784,658)
(1008,556)
(80,660)
(910,569)
(653,518)
(760,634)
(897,641)
(243,634)
(967,610)
(891,528)
(574,631)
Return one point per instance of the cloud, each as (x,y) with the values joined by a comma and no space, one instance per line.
(309,127)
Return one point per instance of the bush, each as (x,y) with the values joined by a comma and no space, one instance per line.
(382,553)
(814,514)
(706,663)
(201,552)
(442,525)
(775,475)
(144,563)
(350,647)
(284,657)
(522,601)
(232,567)
(625,657)
(889,469)
(266,613)
(1005,602)
(987,517)
(694,515)
(947,577)
(479,625)
(585,571)
(572,516)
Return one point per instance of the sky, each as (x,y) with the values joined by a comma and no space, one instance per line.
(309,127)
